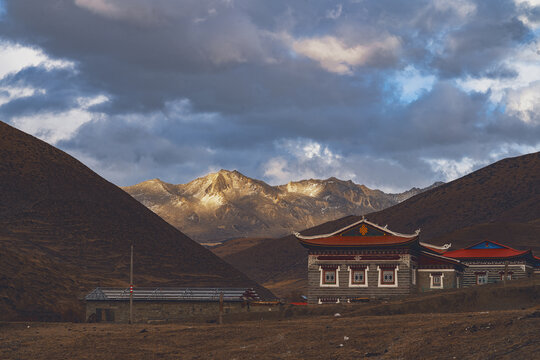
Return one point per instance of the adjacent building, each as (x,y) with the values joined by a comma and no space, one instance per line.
(490,262)
(169,304)
(365,260)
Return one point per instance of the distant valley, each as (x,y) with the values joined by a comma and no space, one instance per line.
(227,204)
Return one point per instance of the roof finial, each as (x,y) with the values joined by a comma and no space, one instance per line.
(363,217)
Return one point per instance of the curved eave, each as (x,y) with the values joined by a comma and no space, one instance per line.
(437,248)
(355,242)
(365,221)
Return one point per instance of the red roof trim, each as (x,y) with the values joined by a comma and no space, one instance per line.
(486,253)
(357,241)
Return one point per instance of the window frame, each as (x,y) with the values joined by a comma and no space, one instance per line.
(384,272)
(481,275)
(352,270)
(323,269)
(325,273)
(433,284)
(386,268)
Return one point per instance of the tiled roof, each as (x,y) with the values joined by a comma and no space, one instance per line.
(173,294)
(486,249)
(359,234)
(356,224)
(353,241)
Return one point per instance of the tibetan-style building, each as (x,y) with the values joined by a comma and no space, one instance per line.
(489,262)
(365,260)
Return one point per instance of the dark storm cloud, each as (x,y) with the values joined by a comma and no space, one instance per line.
(148,53)
(57,90)
(225,56)
(193,85)
(478,46)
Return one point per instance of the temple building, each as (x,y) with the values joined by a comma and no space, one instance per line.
(365,260)
(489,262)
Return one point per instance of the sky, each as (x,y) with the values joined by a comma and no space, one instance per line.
(390,94)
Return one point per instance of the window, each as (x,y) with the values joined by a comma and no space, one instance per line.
(388,275)
(508,275)
(436,280)
(358,277)
(329,276)
(481,278)
(328,301)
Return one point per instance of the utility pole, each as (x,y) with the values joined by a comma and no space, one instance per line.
(131,287)
(220,321)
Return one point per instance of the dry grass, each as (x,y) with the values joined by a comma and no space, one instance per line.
(479,335)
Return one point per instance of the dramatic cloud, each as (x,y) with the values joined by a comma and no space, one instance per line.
(391,94)
(335,56)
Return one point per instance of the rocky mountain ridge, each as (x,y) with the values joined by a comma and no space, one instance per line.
(227,204)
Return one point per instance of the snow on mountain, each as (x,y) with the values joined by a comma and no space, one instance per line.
(227,204)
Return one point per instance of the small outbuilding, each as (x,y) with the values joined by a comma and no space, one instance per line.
(166,304)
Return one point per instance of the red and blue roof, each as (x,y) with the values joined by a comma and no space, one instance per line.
(487,249)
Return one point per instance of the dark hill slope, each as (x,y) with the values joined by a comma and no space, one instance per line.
(500,202)
(65,230)
(506,191)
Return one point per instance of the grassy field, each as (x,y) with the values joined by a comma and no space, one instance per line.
(475,335)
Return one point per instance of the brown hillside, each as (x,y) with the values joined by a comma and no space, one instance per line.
(506,191)
(65,230)
(500,202)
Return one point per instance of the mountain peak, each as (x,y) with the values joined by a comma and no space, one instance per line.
(227,204)
(219,183)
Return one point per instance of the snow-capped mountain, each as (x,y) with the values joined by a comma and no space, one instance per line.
(227,204)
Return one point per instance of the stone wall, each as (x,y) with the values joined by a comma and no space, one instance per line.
(168,311)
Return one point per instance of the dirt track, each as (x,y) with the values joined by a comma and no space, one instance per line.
(480,335)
